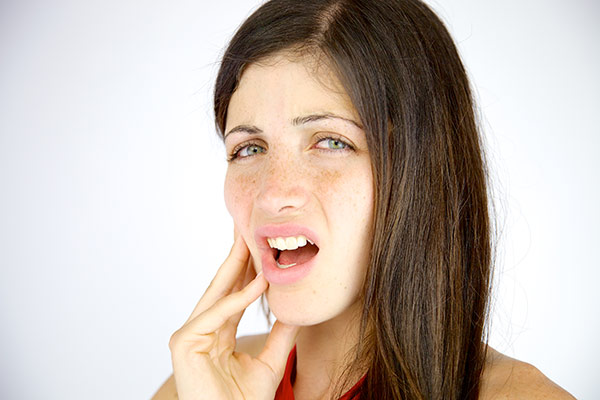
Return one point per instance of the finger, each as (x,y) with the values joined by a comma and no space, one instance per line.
(245,277)
(250,272)
(280,342)
(225,278)
(216,316)
(242,282)
(231,269)
(230,327)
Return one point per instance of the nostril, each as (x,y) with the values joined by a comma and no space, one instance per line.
(278,200)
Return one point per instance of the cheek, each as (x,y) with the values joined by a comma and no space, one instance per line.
(327,184)
(349,209)
(238,192)
(348,193)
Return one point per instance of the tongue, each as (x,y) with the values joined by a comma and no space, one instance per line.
(298,256)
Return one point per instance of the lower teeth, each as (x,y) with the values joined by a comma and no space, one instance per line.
(285,266)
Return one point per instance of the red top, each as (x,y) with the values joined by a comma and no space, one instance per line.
(285,390)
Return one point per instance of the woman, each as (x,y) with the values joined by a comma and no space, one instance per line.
(357,187)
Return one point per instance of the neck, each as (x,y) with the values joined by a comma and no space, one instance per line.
(323,352)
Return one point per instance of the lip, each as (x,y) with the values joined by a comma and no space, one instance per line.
(273,274)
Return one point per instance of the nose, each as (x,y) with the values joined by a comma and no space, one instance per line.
(283,189)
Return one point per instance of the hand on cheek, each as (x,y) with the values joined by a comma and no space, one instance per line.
(204,362)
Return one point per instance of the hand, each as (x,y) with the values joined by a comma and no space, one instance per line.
(205,364)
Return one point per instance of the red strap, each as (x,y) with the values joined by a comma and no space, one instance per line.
(285,391)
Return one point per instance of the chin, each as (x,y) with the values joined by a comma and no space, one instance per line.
(291,316)
(301,308)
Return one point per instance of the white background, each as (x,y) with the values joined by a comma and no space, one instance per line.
(112,220)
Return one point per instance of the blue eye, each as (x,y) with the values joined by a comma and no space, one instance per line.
(330,143)
(246,151)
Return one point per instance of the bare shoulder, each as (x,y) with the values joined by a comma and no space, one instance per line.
(246,344)
(507,378)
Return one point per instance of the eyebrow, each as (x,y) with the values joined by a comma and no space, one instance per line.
(318,117)
(250,129)
(253,130)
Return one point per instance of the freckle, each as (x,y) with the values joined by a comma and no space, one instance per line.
(328,180)
(246,183)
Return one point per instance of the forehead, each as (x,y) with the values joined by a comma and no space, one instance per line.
(285,86)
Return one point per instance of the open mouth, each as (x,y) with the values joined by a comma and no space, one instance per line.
(293,250)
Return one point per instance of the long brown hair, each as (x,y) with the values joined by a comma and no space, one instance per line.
(427,286)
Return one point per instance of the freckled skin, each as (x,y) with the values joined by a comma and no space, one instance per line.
(295,180)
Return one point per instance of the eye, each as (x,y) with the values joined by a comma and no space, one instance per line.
(333,144)
(246,150)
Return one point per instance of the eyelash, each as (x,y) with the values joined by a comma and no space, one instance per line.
(328,136)
(234,155)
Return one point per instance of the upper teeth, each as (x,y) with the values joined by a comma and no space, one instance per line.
(288,243)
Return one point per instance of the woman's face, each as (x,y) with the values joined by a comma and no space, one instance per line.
(300,172)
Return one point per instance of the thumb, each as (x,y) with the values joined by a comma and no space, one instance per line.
(280,342)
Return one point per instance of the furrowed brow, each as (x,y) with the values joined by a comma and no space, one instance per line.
(253,130)
(249,129)
(318,117)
